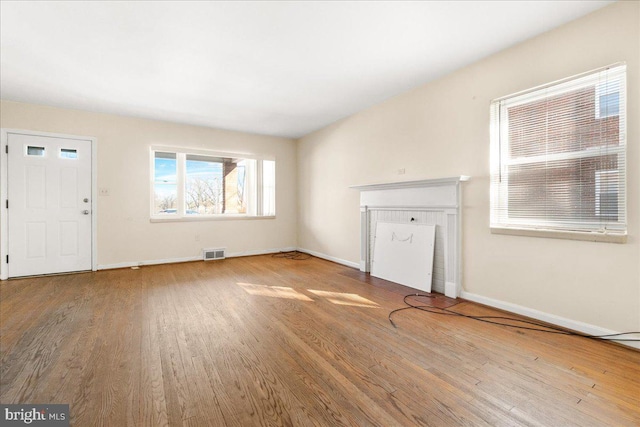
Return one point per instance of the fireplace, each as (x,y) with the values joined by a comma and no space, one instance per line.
(433,201)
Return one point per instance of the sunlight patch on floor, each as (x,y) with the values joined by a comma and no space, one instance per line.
(274,291)
(341,298)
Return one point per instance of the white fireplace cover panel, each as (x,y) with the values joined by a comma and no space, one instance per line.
(403,253)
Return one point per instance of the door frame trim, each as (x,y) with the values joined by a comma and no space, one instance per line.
(4,189)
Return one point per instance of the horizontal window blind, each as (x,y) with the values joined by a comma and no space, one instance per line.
(558,155)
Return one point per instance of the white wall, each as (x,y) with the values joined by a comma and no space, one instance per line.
(442,129)
(125,234)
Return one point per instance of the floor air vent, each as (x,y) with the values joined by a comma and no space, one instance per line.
(212,254)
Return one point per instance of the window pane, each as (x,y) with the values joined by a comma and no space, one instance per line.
(268,187)
(35,151)
(204,185)
(69,153)
(165,187)
(610,104)
(165,168)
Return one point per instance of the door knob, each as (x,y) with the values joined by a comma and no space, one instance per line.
(85,212)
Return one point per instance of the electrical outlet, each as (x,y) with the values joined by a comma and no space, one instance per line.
(401,171)
(104,191)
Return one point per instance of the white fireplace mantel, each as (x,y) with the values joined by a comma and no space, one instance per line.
(436,201)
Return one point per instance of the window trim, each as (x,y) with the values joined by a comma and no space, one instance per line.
(589,236)
(498,133)
(181,153)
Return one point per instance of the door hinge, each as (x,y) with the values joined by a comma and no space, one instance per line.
(7,259)
(6,149)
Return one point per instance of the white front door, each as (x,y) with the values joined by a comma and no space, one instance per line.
(49,204)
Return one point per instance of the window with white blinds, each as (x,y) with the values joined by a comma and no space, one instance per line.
(558,156)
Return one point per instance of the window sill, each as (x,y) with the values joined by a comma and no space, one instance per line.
(557,234)
(195,218)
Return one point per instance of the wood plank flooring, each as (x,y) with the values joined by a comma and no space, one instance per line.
(264,341)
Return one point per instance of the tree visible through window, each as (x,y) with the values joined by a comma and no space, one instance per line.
(198,184)
(165,182)
(204,185)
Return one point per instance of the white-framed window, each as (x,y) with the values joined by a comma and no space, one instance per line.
(557,166)
(196,184)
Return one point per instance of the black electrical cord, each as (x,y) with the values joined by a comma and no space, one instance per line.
(294,255)
(550,329)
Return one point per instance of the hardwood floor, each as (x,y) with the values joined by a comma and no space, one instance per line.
(261,341)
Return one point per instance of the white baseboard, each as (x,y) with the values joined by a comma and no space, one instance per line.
(129,264)
(574,325)
(259,252)
(330,258)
